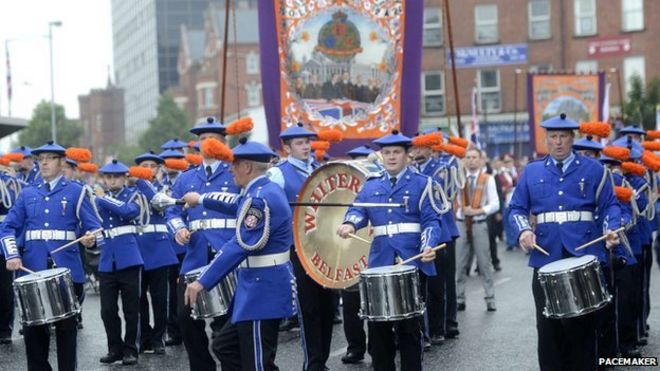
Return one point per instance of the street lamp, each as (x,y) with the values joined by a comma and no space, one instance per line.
(52,84)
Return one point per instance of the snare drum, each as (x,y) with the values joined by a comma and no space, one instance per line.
(45,297)
(573,287)
(212,303)
(390,293)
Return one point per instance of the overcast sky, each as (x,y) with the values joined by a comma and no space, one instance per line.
(82,51)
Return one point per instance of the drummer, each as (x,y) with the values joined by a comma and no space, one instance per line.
(565,191)
(50,212)
(398,233)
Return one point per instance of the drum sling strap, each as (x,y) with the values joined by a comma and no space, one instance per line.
(474,200)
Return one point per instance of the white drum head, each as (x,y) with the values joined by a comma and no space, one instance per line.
(567,264)
(47,273)
(388,270)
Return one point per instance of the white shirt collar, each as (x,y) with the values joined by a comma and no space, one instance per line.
(214,165)
(300,163)
(53,183)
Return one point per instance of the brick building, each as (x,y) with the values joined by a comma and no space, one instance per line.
(200,63)
(102,119)
(559,35)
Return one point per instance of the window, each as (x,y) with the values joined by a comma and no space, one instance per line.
(433,93)
(633,66)
(586,67)
(489,91)
(253,91)
(252,63)
(540,68)
(632,13)
(539,19)
(585,17)
(486,24)
(208,97)
(432,27)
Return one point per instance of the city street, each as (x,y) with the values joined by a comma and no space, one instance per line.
(503,340)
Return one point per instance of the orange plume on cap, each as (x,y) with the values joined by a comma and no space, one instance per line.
(214,148)
(330,135)
(453,149)
(319,153)
(140,172)
(653,134)
(651,161)
(88,167)
(617,153)
(4,161)
(459,141)
(79,154)
(633,168)
(599,129)
(623,194)
(194,159)
(240,126)
(176,164)
(14,157)
(427,140)
(320,145)
(651,145)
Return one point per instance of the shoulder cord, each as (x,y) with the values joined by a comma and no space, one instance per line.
(606,175)
(239,221)
(428,192)
(5,195)
(458,174)
(653,197)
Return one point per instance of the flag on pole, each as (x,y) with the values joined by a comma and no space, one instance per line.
(474,128)
(8,77)
(606,110)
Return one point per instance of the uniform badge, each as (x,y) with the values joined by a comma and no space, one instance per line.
(253,218)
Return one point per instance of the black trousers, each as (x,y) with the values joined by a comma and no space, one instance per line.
(640,297)
(383,340)
(247,345)
(6,299)
(155,282)
(627,293)
(569,344)
(194,333)
(173,331)
(608,336)
(494,231)
(37,342)
(317,306)
(647,256)
(124,282)
(353,325)
(449,271)
(436,305)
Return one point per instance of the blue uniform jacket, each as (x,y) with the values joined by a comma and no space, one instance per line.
(627,219)
(542,189)
(156,247)
(438,171)
(62,209)
(385,249)
(194,180)
(643,229)
(265,292)
(294,178)
(120,251)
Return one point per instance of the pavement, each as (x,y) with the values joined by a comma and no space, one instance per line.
(501,340)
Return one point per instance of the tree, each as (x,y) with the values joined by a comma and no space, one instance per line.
(170,122)
(38,131)
(642,102)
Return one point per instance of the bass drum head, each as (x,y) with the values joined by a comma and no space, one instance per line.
(330,260)
(567,264)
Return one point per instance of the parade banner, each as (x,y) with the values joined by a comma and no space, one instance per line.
(580,97)
(352,65)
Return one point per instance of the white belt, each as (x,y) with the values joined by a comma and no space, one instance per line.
(119,231)
(153,228)
(212,224)
(391,229)
(50,234)
(262,261)
(564,216)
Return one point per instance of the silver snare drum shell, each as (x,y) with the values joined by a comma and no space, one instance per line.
(45,297)
(573,287)
(212,303)
(390,293)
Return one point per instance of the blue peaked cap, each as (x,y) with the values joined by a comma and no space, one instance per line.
(252,151)
(148,156)
(114,167)
(587,143)
(297,131)
(636,149)
(561,122)
(50,147)
(394,139)
(632,129)
(210,125)
(364,150)
(170,153)
(174,144)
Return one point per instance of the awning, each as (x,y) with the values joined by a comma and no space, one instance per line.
(10,125)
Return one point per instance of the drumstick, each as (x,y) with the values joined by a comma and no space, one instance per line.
(27,270)
(420,254)
(541,250)
(359,238)
(599,239)
(74,241)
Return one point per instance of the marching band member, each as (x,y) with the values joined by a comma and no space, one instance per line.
(120,264)
(27,169)
(565,191)
(49,213)
(398,233)
(7,199)
(156,248)
(210,228)
(265,284)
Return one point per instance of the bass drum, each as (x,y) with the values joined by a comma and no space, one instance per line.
(330,260)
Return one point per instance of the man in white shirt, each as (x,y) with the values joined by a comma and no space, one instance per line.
(475,203)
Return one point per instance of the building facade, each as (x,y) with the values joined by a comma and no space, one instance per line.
(617,37)
(102,120)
